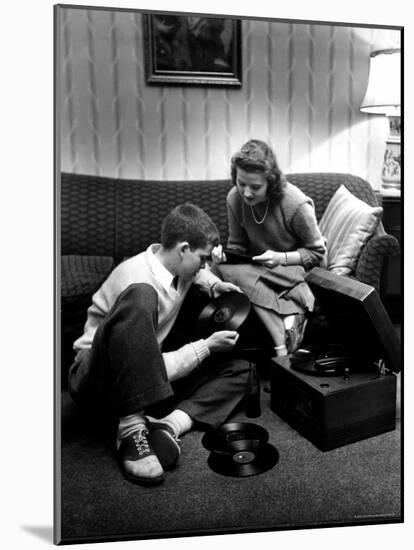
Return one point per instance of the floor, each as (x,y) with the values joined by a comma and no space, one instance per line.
(356,483)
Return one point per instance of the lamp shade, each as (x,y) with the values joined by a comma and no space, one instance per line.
(383,95)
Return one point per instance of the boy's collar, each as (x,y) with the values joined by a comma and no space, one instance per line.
(160,272)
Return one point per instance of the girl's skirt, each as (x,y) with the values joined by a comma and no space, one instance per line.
(281,289)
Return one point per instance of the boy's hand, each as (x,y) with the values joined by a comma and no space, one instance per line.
(221,287)
(223,340)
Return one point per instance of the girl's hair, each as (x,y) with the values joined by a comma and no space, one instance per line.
(257,156)
(188,222)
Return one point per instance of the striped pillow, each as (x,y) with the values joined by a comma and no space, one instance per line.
(347,224)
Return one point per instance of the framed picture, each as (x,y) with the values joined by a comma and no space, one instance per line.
(192,50)
(391,168)
(394,129)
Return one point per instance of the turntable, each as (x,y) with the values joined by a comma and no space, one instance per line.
(349,392)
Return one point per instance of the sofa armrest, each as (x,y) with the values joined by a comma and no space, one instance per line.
(81,276)
(371,261)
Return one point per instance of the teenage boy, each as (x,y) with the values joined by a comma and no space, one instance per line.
(120,361)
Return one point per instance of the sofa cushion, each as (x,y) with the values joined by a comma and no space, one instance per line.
(81,276)
(347,224)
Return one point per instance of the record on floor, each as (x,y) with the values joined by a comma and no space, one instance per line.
(227,312)
(234,436)
(248,462)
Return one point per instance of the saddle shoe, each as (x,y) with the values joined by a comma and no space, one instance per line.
(138,460)
(164,443)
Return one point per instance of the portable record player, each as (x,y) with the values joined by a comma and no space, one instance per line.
(349,395)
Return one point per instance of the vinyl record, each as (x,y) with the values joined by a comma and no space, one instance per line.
(227,312)
(329,360)
(311,367)
(244,463)
(235,436)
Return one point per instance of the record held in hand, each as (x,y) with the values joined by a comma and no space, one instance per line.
(248,462)
(227,312)
(235,436)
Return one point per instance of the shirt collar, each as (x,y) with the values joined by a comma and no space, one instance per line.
(160,272)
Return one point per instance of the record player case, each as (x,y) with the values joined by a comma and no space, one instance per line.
(359,401)
(333,411)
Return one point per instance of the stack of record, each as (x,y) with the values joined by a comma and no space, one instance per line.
(240,449)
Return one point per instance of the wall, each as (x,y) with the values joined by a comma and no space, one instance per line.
(302,87)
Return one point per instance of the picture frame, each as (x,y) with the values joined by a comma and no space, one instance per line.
(391,169)
(192,50)
(394,130)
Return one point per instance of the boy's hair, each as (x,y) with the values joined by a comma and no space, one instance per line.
(256,156)
(188,222)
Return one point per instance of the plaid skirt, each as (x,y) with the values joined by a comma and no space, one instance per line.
(281,289)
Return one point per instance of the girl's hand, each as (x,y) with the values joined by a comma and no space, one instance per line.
(270,258)
(217,255)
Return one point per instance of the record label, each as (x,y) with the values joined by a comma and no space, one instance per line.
(246,463)
(222,315)
(244,457)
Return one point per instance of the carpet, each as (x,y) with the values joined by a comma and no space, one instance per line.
(355,484)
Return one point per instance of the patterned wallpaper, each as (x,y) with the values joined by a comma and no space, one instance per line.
(302,87)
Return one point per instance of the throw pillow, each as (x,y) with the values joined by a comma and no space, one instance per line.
(347,224)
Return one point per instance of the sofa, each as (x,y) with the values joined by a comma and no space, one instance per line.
(105,220)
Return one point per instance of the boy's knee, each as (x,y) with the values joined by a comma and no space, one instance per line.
(138,299)
(140,292)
